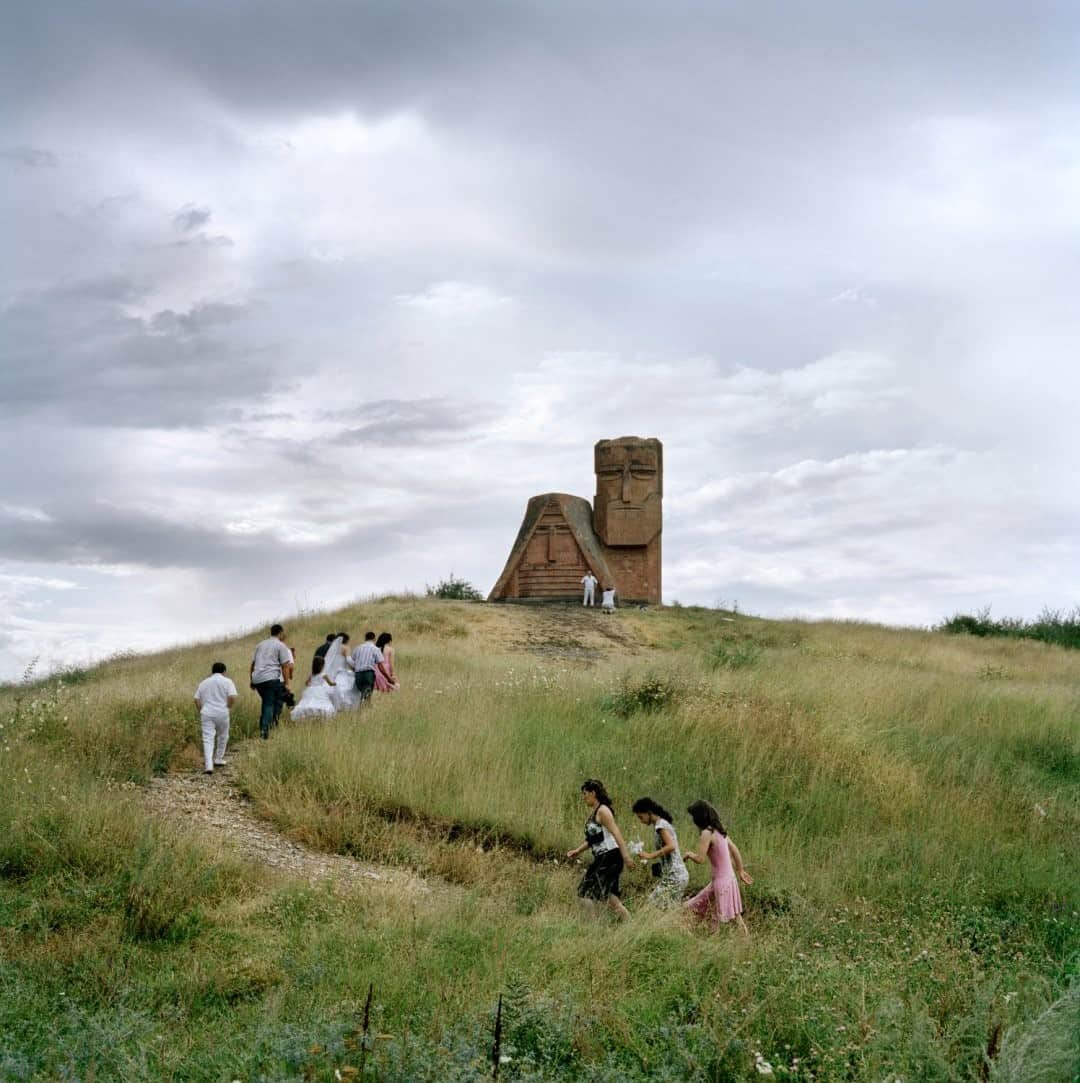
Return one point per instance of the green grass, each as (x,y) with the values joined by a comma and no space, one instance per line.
(908,803)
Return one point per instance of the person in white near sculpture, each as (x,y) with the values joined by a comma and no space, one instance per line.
(214,697)
(589,581)
(607,602)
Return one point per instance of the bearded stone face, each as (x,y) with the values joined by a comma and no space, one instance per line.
(629,490)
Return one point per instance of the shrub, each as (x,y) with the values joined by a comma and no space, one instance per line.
(730,654)
(1051,626)
(649,693)
(459,590)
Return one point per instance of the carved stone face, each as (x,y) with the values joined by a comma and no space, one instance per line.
(629,488)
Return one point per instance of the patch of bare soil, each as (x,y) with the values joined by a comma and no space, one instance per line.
(572,633)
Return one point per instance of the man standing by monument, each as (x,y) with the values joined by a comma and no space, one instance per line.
(589,581)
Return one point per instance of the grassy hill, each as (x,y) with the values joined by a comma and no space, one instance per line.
(908,803)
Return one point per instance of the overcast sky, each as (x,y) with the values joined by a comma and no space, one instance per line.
(302,301)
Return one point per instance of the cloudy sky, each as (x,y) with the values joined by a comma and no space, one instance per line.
(302,301)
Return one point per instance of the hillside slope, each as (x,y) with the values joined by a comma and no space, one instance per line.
(907,802)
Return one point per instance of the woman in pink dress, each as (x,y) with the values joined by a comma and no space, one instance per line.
(385,643)
(722,896)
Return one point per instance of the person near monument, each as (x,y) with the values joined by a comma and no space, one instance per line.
(271,672)
(669,869)
(721,899)
(366,659)
(607,601)
(388,683)
(316,701)
(214,698)
(322,648)
(610,853)
(589,581)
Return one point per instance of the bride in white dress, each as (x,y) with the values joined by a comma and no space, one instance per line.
(316,702)
(343,695)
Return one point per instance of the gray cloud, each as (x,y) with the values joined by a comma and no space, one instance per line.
(29,157)
(401,423)
(189,218)
(316,310)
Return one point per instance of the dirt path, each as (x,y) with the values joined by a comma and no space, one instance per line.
(213,805)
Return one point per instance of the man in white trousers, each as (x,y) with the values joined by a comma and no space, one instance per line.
(214,697)
(589,581)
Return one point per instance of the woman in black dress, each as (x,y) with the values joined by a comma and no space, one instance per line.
(603,837)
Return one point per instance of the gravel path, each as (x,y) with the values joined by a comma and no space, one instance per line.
(213,805)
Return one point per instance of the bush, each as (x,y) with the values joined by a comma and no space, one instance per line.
(1051,626)
(649,693)
(729,654)
(459,590)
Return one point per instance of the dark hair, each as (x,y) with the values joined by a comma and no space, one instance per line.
(317,664)
(384,638)
(647,804)
(344,637)
(704,815)
(368,636)
(276,629)
(331,636)
(595,786)
(218,667)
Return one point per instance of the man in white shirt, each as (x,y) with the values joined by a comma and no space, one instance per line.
(589,581)
(214,698)
(364,660)
(271,671)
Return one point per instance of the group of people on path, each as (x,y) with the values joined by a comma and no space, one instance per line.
(340,681)
(720,901)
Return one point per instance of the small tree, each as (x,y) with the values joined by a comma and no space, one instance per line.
(456,589)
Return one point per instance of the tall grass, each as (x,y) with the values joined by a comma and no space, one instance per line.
(907,802)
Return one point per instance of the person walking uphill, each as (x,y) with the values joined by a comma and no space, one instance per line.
(721,899)
(271,671)
(214,697)
(365,660)
(602,836)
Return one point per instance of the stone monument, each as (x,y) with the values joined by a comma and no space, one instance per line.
(617,538)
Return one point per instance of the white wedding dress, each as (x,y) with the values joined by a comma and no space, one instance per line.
(315,702)
(343,695)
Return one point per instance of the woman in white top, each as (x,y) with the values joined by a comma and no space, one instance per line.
(670,870)
(316,701)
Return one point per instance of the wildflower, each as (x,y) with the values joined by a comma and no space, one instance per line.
(1040,811)
(762,1065)
(504,1059)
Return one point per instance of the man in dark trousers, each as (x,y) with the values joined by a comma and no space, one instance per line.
(364,660)
(271,671)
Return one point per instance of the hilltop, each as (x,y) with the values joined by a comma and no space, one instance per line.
(907,801)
